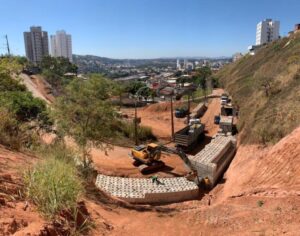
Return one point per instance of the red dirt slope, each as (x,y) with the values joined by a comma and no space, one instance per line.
(273,171)
(16,217)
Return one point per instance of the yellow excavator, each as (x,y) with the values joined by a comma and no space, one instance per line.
(147,159)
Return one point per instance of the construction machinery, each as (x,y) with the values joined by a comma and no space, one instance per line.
(188,137)
(148,159)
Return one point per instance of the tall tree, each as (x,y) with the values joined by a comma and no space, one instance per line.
(201,77)
(85,113)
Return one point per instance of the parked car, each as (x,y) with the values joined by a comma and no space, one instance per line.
(224,99)
(181,112)
(217,120)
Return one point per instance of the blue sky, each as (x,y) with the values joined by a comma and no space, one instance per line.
(147,28)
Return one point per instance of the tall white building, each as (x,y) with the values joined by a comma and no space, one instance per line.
(185,62)
(267,31)
(61,45)
(178,66)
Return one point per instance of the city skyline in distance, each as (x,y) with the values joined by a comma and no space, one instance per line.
(148,29)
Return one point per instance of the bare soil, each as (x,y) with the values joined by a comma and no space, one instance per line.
(258,195)
(17,217)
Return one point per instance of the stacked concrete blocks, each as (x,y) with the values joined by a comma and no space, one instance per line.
(212,160)
(141,190)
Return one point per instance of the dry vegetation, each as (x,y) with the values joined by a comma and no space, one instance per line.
(266,88)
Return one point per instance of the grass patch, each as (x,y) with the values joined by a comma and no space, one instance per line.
(199,93)
(144,132)
(53,185)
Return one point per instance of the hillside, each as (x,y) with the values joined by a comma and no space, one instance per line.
(266,88)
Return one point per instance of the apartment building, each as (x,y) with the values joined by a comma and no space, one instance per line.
(267,31)
(36,44)
(61,45)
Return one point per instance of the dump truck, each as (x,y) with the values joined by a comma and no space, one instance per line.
(228,110)
(187,137)
(226,124)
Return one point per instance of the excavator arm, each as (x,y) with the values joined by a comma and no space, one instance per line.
(193,175)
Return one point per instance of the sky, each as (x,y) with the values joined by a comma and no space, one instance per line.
(147,28)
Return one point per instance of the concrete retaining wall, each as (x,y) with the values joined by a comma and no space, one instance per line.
(142,190)
(212,161)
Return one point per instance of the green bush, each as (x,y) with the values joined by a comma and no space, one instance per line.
(127,129)
(58,150)
(53,185)
(8,84)
(21,115)
(15,134)
(23,104)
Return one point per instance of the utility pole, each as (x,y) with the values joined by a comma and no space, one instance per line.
(7,46)
(172,118)
(189,107)
(135,123)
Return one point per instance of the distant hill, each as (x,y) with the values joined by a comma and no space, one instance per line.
(266,87)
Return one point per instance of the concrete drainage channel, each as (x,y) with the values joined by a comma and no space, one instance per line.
(210,163)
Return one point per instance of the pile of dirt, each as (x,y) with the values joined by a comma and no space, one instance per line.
(159,107)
